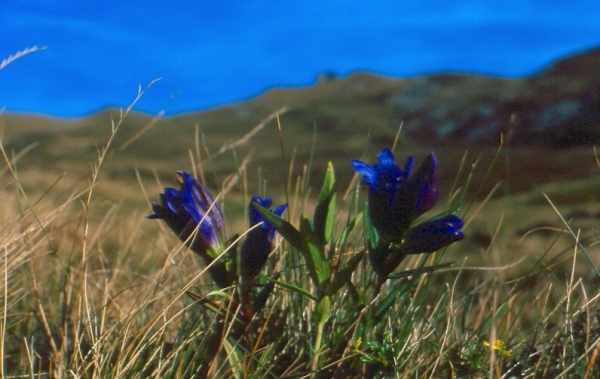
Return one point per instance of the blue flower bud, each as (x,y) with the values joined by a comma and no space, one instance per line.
(192,213)
(424,183)
(189,208)
(259,241)
(433,235)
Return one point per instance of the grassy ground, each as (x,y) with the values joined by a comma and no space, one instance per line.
(93,289)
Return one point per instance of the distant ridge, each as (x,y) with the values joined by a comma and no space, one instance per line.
(556,107)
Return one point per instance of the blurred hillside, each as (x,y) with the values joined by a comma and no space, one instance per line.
(548,121)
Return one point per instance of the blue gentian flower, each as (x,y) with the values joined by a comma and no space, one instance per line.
(396,195)
(259,241)
(433,235)
(187,208)
(192,213)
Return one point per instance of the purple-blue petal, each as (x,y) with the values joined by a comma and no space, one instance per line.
(171,199)
(192,212)
(208,231)
(367,172)
(216,214)
(455,221)
(186,208)
(433,235)
(264,202)
(258,242)
(425,184)
(200,197)
(408,166)
(428,196)
(253,214)
(386,158)
(156,212)
(280,209)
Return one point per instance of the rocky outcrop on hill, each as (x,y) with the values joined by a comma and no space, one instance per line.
(558,107)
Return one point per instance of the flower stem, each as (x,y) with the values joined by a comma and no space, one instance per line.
(317,348)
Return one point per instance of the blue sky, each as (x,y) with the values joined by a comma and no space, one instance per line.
(213,53)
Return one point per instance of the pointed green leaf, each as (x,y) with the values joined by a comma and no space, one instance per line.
(287,230)
(234,358)
(315,256)
(302,241)
(324,218)
(323,310)
(370,232)
(232,263)
(296,289)
(307,233)
(348,229)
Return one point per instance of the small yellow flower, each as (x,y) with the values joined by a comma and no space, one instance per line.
(498,346)
(357,343)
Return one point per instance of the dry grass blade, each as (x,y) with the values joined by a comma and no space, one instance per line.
(142,131)
(254,131)
(477,211)
(592,362)
(573,234)
(593,347)
(19,54)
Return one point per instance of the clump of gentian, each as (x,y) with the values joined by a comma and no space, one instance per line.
(192,213)
(397,197)
(259,241)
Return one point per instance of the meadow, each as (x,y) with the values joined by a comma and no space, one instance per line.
(93,288)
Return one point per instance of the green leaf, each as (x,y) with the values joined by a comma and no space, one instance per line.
(324,218)
(379,251)
(348,229)
(302,241)
(235,359)
(232,264)
(296,289)
(315,256)
(287,230)
(371,233)
(323,310)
